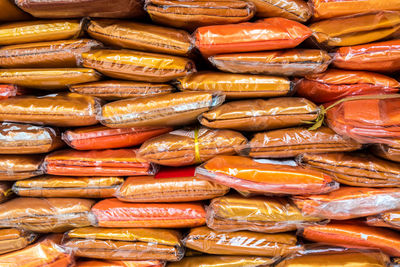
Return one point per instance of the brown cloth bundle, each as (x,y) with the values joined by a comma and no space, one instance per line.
(63,109)
(291,142)
(17,138)
(58,186)
(243,243)
(355,169)
(189,146)
(297,10)
(140,36)
(46,215)
(164,110)
(260,214)
(14,239)
(260,114)
(191,14)
(223,261)
(17,167)
(390,219)
(125,243)
(58,54)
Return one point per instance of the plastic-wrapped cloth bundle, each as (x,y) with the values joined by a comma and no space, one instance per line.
(170,185)
(17,167)
(46,215)
(390,219)
(122,263)
(297,10)
(223,261)
(190,146)
(15,239)
(125,244)
(387,151)
(9,90)
(247,175)
(260,214)
(195,13)
(9,12)
(117,162)
(5,191)
(59,186)
(17,138)
(350,202)
(114,213)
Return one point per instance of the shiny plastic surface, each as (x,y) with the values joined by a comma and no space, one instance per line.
(297,10)
(244,174)
(17,167)
(260,114)
(123,263)
(114,213)
(189,146)
(15,239)
(389,152)
(390,219)
(164,110)
(117,162)
(223,261)
(9,12)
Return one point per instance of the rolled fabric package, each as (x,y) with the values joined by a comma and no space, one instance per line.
(236,85)
(247,175)
(259,214)
(379,57)
(297,10)
(62,109)
(336,84)
(117,90)
(57,54)
(109,162)
(47,251)
(260,114)
(48,79)
(125,244)
(137,66)
(164,110)
(17,138)
(17,167)
(46,215)
(291,142)
(389,152)
(292,62)
(267,34)
(56,186)
(5,191)
(196,13)
(349,202)
(9,12)
(15,239)
(39,31)
(223,261)
(242,243)
(82,8)
(114,213)
(122,263)
(389,219)
(355,235)
(190,146)
(356,29)
(170,185)
(101,137)
(8,90)
(355,169)
(140,36)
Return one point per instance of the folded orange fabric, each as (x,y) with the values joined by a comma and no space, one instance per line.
(390,219)
(117,162)
(350,202)
(13,239)
(114,213)
(98,263)
(266,34)
(297,10)
(355,235)
(10,12)
(389,152)
(223,261)
(8,90)
(245,174)
(5,191)
(17,167)
(101,137)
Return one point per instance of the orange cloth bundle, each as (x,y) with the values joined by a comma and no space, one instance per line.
(350,202)
(17,167)
(170,185)
(389,152)
(101,137)
(297,10)
(8,90)
(114,213)
(390,219)
(14,239)
(9,12)
(117,162)
(355,235)
(336,84)
(223,261)
(244,174)
(124,263)
(292,62)
(380,57)
(266,34)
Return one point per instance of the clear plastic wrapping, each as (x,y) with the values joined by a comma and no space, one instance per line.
(122,263)
(17,167)
(190,146)
(112,213)
(164,110)
(12,239)
(247,175)
(223,261)
(5,191)
(170,185)
(260,114)
(117,162)
(8,90)
(389,219)
(46,215)
(58,186)
(350,202)
(297,10)
(389,152)
(101,137)
(125,244)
